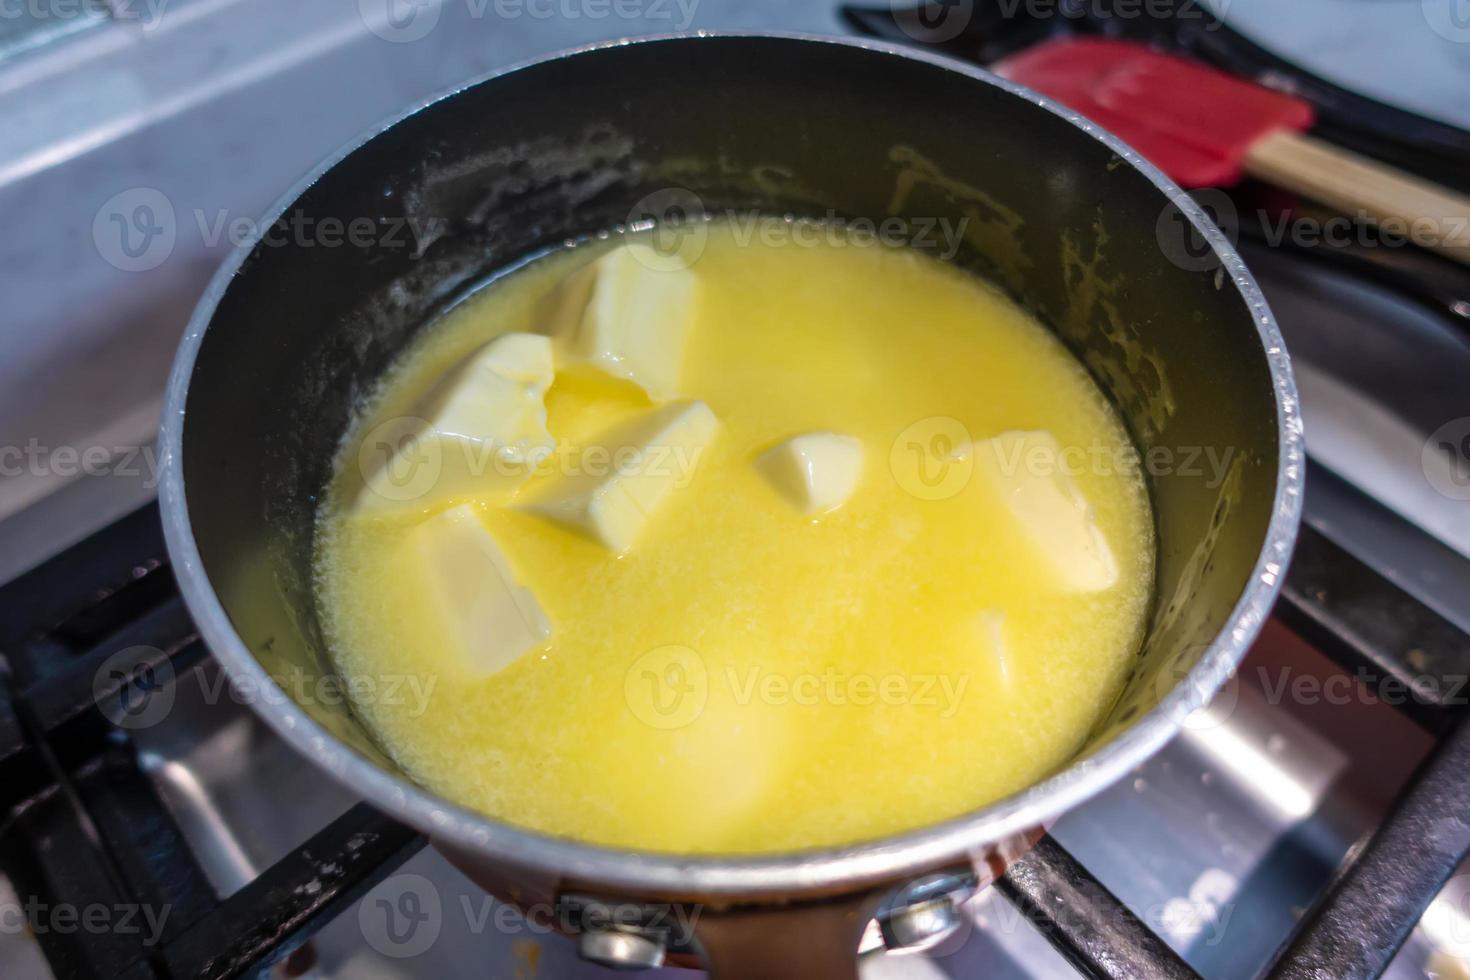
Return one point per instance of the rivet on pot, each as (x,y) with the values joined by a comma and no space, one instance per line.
(620,950)
(925,911)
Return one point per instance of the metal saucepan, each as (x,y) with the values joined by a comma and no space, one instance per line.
(297,327)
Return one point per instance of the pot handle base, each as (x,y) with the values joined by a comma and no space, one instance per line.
(813,942)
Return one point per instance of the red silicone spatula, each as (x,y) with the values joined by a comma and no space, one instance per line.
(1205,128)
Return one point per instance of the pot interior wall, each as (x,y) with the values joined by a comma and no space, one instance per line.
(568,147)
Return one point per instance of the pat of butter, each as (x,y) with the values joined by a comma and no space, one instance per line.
(755,745)
(816,472)
(1027,470)
(478,432)
(640,462)
(492,620)
(628,314)
(990,624)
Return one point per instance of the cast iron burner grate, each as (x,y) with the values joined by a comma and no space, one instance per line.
(84,825)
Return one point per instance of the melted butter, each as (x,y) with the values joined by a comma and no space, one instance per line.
(747,679)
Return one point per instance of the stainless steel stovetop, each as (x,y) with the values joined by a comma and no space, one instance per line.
(1218,843)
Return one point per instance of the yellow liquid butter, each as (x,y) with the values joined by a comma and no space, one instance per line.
(748,678)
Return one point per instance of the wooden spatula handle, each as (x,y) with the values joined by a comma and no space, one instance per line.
(1429,215)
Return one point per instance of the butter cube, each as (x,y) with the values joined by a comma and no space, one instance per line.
(628,313)
(1027,470)
(640,463)
(990,625)
(816,472)
(491,619)
(478,432)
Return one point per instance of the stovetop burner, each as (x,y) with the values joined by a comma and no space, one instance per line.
(112,817)
(152,827)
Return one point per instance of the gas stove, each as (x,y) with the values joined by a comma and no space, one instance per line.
(1311,822)
(1318,805)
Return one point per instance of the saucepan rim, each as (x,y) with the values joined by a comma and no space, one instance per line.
(751,877)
